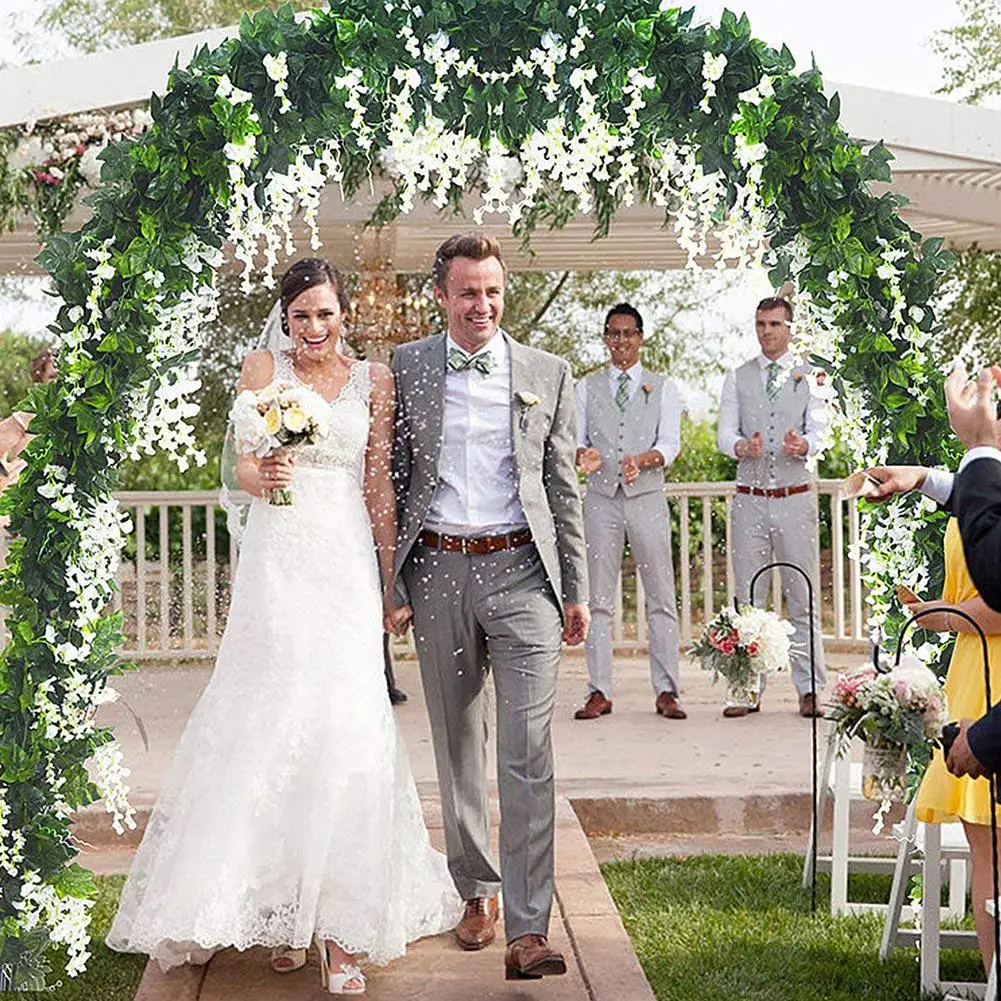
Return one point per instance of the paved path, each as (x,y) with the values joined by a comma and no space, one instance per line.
(629,772)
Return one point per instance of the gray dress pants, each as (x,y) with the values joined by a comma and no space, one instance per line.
(766,530)
(476,615)
(608,522)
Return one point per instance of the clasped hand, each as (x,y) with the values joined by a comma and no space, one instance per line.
(276,470)
(395,618)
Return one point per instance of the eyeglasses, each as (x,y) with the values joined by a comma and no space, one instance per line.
(620,334)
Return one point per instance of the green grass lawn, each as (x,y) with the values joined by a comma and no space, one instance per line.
(110,976)
(739,928)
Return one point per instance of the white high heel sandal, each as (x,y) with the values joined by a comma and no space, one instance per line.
(337,982)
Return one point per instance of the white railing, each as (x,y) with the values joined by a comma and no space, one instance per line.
(174,584)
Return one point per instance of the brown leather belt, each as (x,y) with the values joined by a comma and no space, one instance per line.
(480,546)
(773,491)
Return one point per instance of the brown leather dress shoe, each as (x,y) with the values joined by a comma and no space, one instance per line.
(668,705)
(596,705)
(808,706)
(477,928)
(530,958)
(735,712)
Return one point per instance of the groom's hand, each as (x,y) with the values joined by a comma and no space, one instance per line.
(576,621)
(971,406)
(892,480)
(396,620)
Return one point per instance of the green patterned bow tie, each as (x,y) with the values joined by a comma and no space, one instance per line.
(459,361)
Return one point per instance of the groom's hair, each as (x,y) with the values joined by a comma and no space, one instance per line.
(475,246)
(775,302)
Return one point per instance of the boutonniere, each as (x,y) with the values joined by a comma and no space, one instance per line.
(527,401)
(647,390)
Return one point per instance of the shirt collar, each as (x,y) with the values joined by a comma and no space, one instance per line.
(634,373)
(785,361)
(496,347)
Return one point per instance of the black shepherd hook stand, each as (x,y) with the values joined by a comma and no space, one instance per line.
(992,779)
(813,720)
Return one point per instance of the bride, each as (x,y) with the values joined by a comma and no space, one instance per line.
(290,812)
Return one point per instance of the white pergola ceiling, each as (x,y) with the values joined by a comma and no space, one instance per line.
(948,164)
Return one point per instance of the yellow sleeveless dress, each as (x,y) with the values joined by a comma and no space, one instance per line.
(943,798)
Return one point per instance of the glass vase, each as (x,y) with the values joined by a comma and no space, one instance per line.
(884,771)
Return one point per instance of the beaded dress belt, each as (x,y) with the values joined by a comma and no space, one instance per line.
(773,491)
(475,547)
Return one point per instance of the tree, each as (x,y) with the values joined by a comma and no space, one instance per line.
(559,312)
(972,317)
(93,25)
(971,67)
(971,52)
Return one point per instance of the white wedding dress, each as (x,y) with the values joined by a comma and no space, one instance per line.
(290,809)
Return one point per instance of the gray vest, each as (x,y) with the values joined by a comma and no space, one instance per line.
(772,418)
(616,434)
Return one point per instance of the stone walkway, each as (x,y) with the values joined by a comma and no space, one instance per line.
(634,778)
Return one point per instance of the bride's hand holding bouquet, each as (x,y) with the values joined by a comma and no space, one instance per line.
(271,424)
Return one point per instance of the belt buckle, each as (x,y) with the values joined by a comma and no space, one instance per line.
(464,545)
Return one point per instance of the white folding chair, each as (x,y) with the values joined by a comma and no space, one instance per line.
(940,846)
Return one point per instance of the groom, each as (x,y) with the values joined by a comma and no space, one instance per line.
(491,558)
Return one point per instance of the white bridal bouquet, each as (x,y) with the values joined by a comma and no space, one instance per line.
(739,645)
(279,416)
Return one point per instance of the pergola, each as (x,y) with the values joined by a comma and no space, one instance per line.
(948,164)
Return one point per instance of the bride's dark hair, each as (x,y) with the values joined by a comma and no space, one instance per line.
(307,273)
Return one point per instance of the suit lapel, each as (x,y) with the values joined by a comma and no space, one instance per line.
(432,379)
(520,381)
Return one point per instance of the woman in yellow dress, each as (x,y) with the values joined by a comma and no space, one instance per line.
(943,798)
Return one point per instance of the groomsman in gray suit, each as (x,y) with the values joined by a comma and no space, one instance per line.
(770,422)
(491,560)
(628,430)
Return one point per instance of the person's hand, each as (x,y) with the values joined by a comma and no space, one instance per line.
(630,470)
(935,622)
(275,470)
(892,480)
(396,618)
(588,460)
(971,410)
(749,448)
(576,621)
(961,760)
(794,443)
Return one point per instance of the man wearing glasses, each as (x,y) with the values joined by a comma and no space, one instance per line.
(628,429)
(770,422)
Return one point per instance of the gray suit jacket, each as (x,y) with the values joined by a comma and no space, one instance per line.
(545,440)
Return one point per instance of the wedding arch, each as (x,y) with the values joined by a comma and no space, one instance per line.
(541,112)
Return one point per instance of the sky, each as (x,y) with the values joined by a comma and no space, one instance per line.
(875,43)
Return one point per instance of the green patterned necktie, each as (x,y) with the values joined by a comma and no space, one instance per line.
(622,393)
(772,381)
(459,361)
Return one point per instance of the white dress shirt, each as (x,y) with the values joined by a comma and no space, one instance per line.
(477,492)
(668,441)
(938,482)
(728,425)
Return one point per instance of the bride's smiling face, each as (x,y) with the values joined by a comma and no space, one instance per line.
(314,323)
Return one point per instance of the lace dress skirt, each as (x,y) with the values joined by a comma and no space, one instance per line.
(290,809)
